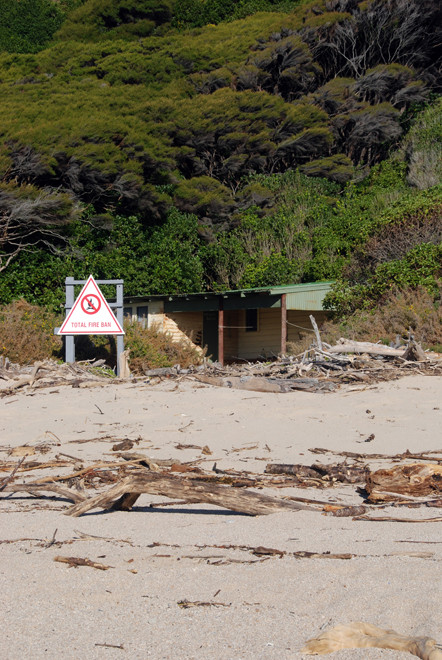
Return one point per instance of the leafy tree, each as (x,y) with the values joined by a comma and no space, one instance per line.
(173,264)
(184,159)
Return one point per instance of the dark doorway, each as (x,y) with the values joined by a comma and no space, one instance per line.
(210,334)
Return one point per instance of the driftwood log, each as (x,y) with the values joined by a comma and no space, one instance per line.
(123,496)
(36,490)
(350,474)
(416,480)
(364,635)
(349,346)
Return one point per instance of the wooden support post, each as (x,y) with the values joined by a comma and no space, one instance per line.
(69,339)
(283,323)
(221,331)
(120,319)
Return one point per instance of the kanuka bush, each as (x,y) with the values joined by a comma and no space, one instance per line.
(26,26)
(402,311)
(151,348)
(27,332)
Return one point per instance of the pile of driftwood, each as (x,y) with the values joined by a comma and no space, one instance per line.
(321,368)
(415,483)
(49,373)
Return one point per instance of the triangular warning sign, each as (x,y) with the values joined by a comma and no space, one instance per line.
(91,314)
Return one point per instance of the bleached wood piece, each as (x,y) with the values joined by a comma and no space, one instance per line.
(349,346)
(190,490)
(364,635)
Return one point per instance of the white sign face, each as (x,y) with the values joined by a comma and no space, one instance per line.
(91,314)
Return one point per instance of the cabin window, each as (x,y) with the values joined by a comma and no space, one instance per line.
(251,320)
(142,315)
(127,313)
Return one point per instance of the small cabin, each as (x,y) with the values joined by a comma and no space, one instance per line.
(247,324)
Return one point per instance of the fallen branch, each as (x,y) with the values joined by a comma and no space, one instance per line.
(6,481)
(364,635)
(416,456)
(123,496)
(36,490)
(404,520)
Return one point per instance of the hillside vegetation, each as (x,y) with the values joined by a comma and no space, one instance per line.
(186,146)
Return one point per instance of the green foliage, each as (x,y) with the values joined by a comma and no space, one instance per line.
(150,348)
(280,247)
(97,20)
(423,147)
(204,196)
(401,248)
(221,152)
(173,264)
(196,13)
(27,332)
(27,26)
(160,260)
(399,312)
(337,168)
(421,267)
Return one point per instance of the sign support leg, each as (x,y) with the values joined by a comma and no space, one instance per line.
(69,345)
(120,314)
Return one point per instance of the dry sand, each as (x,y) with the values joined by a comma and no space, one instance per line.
(266,609)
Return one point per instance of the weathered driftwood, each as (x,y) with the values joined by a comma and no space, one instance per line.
(349,346)
(263,384)
(5,482)
(50,373)
(415,480)
(401,520)
(345,511)
(415,456)
(36,490)
(123,364)
(123,496)
(414,352)
(364,635)
(342,472)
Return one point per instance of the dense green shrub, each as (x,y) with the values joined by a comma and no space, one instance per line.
(27,332)
(27,26)
(194,13)
(423,147)
(237,153)
(97,20)
(400,312)
(151,348)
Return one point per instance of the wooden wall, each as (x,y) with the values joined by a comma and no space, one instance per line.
(189,323)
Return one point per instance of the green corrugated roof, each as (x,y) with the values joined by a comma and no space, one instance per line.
(271,290)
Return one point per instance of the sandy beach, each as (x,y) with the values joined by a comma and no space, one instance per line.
(239,605)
